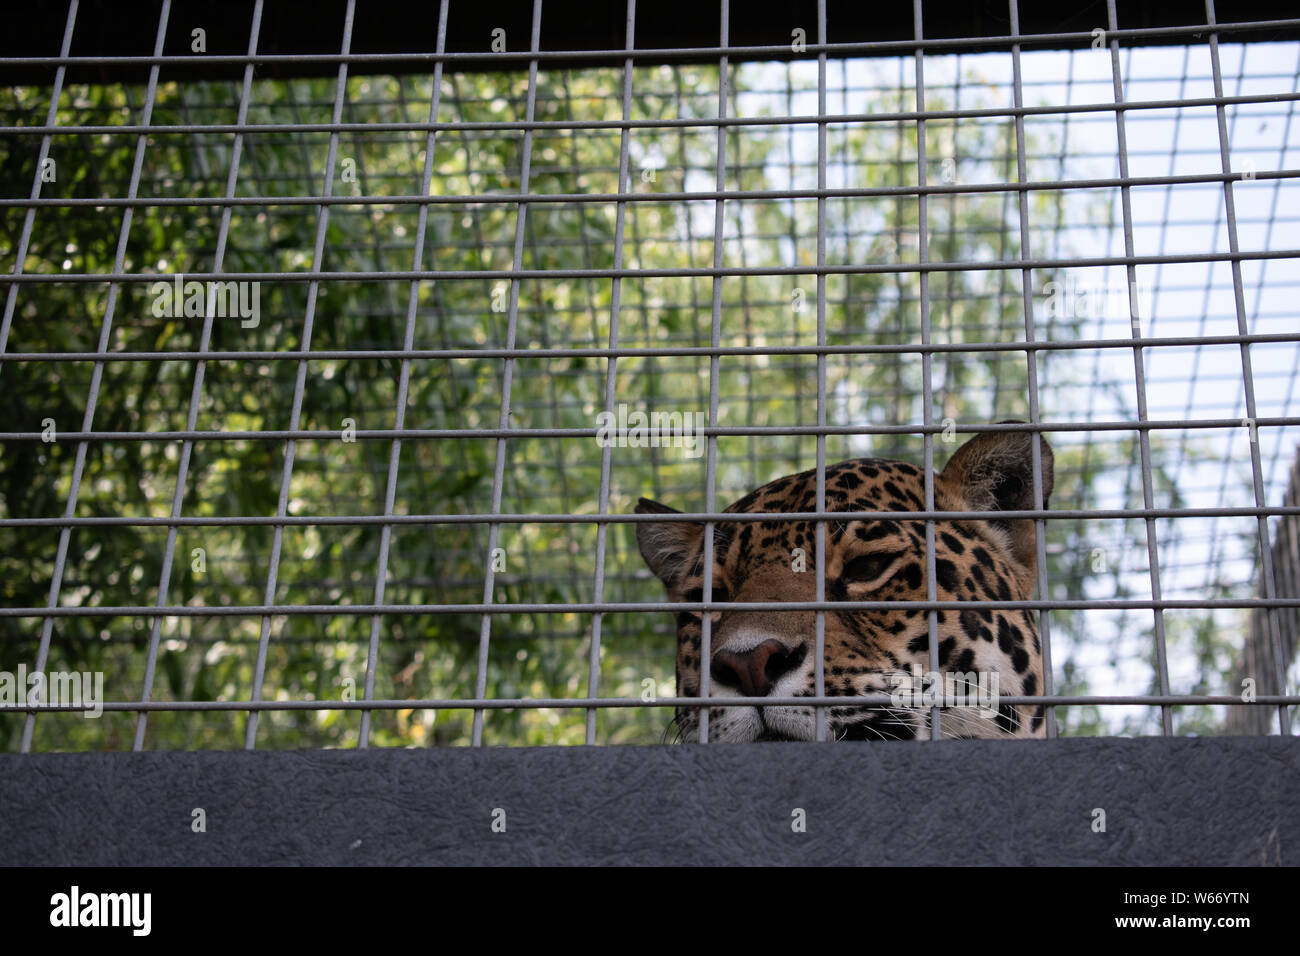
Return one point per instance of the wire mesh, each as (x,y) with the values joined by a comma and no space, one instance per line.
(366,504)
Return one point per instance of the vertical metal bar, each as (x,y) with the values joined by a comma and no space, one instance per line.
(1003,280)
(295,414)
(819,662)
(791,171)
(923,253)
(589,286)
(196,390)
(97,374)
(715,340)
(576,170)
(895,384)
(1248,379)
(683,159)
(950,285)
(745,332)
(29,217)
(498,474)
(846,238)
(403,382)
(611,375)
(1139,374)
(1283,139)
(1031,358)
(1189,405)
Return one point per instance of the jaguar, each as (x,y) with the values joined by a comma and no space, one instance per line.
(770,653)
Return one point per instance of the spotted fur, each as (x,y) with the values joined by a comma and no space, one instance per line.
(770,653)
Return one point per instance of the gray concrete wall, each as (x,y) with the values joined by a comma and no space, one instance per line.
(1181,801)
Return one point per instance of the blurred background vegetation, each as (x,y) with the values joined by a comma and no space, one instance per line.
(316,657)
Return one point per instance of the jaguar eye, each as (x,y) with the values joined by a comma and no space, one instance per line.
(868,567)
(697,594)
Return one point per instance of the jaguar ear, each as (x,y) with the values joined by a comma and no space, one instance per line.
(666,546)
(994,471)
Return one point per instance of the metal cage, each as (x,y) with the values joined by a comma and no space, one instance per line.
(351,494)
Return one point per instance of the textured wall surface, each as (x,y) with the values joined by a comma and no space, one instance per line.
(1182,801)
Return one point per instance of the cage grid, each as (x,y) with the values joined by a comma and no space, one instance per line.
(1056,227)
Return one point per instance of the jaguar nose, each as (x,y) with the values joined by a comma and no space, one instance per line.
(755,671)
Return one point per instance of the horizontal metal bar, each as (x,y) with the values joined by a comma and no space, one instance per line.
(313,521)
(701,272)
(757,195)
(338,355)
(900,116)
(357,610)
(762,87)
(334,434)
(561,703)
(1190,31)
